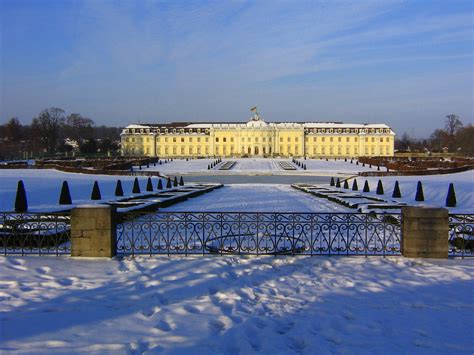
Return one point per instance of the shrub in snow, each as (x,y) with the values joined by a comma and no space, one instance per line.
(65,197)
(388,169)
(366,186)
(168,183)
(346,184)
(136,186)
(160,162)
(378,167)
(140,167)
(338,183)
(21,203)
(354,186)
(451,197)
(160,184)
(357,162)
(351,161)
(175,181)
(345,159)
(363,164)
(379,188)
(396,191)
(149,185)
(208,167)
(332,182)
(118,188)
(181,181)
(147,165)
(419,192)
(95,195)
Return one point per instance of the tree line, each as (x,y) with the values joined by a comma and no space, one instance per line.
(455,137)
(54,133)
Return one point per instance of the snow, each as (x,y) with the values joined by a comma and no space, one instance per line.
(262,166)
(435,189)
(257,198)
(43,187)
(202,305)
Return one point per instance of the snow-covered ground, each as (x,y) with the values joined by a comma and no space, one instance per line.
(435,189)
(257,198)
(43,187)
(203,305)
(260,165)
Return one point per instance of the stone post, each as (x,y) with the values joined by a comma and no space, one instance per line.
(425,232)
(93,231)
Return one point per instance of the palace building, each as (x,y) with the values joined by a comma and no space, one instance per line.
(257,138)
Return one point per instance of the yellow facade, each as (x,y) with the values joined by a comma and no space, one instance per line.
(258,138)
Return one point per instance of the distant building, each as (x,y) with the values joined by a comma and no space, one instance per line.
(257,138)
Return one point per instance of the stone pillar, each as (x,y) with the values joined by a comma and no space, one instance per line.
(93,231)
(425,232)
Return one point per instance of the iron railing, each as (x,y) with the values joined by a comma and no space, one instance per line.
(34,233)
(259,233)
(461,235)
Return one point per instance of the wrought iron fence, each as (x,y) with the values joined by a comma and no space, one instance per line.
(34,233)
(461,235)
(259,233)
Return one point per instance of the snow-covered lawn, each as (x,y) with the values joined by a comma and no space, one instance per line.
(204,305)
(43,187)
(435,189)
(260,165)
(257,198)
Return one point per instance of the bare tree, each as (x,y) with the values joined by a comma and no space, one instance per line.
(452,126)
(46,128)
(78,127)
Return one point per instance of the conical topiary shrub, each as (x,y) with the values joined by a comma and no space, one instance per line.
(175,181)
(354,186)
(346,184)
(378,167)
(419,192)
(379,190)
(363,164)
(168,183)
(366,186)
(338,183)
(95,195)
(396,191)
(21,202)
(136,187)
(181,181)
(451,197)
(160,184)
(332,183)
(65,196)
(149,185)
(357,162)
(118,188)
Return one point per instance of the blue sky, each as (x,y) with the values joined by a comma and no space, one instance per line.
(405,63)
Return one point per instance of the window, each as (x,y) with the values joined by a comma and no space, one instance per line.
(248,139)
(347,139)
(373,139)
(289,139)
(256,139)
(243,139)
(281,139)
(339,139)
(366,139)
(217,139)
(174,139)
(190,139)
(314,139)
(331,139)
(323,139)
(224,139)
(296,139)
(199,139)
(264,139)
(232,139)
(182,139)
(166,139)
(355,139)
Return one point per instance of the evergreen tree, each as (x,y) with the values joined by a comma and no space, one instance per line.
(338,183)
(175,181)
(396,191)
(332,182)
(379,190)
(160,184)
(419,192)
(366,186)
(21,203)
(451,197)
(118,188)
(354,186)
(149,185)
(136,186)
(65,197)
(346,184)
(168,183)
(95,195)
(181,181)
